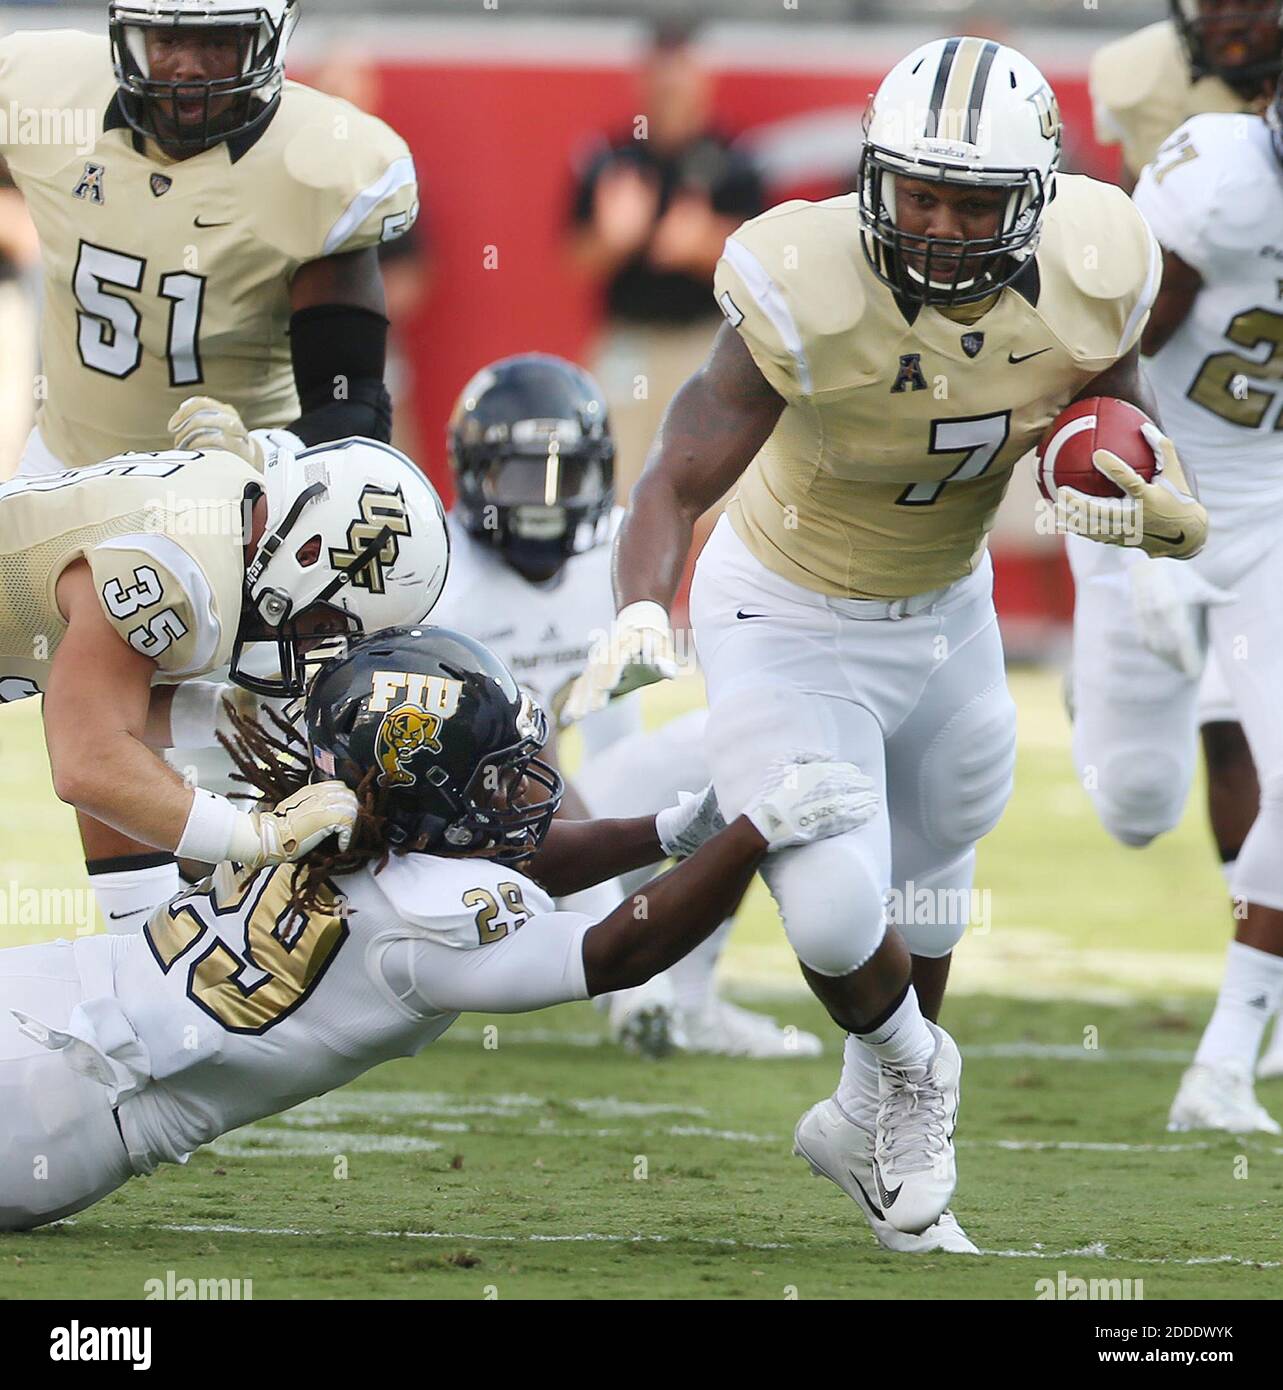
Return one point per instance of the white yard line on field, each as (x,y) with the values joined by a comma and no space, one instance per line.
(1097,1250)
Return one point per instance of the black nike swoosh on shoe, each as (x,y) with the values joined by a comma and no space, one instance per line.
(196,222)
(1015,361)
(888,1198)
(741,614)
(869,1202)
(1177,539)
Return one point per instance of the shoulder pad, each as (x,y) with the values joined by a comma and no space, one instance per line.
(349,180)
(1102,265)
(788,280)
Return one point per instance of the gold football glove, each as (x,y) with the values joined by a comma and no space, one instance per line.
(296,826)
(1163,517)
(638,650)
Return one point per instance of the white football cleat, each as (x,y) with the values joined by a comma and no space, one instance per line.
(644,1020)
(914,1166)
(838,1149)
(1271,1063)
(725,1030)
(1219,1097)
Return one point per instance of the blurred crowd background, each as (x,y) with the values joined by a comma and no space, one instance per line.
(580,164)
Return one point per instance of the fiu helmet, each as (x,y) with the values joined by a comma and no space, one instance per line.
(355,540)
(438,724)
(194,114)
(1239,42)
(533,461)
(969,112)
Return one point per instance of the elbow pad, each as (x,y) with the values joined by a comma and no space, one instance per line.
(339,354)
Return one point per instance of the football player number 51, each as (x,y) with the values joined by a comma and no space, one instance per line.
(108,333)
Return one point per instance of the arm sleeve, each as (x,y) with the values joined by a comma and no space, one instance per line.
(540,965)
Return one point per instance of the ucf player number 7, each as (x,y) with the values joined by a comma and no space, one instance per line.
(856,544)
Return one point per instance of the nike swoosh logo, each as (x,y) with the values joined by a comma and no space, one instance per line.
(888,1199)
(196,222)
(120,916)
(873,1206)
(1015,361)
(741,614)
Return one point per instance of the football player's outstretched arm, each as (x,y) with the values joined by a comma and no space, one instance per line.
(96,714)
(710,434)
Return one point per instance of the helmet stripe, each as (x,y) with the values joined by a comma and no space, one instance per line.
(959,115)
(937,92)
(975,102)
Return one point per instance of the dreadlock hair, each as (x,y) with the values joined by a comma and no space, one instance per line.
(275,765)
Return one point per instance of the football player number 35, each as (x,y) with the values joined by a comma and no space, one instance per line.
(159,632)
(109,322)
(979,439)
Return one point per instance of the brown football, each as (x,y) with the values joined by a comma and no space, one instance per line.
(1064,456)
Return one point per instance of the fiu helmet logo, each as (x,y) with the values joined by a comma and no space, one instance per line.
(1048,109)
(403,732)
(373,539)
(410,724)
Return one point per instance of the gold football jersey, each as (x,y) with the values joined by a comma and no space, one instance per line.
(884,472)
(167,279)
(1141,91)
(163,535)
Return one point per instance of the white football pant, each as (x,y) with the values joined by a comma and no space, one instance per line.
(60,1145)
(913,692)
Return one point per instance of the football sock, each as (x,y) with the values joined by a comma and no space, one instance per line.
(1227,868)
(1249,997)
(900,1038)
(692,976)
(128,889)
(857,1092)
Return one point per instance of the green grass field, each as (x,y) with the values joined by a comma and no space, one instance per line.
(554,1166)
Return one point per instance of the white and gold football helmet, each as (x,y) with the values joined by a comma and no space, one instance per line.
(193,110)
(355,540)
(964,111)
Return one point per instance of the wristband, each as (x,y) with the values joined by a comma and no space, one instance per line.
(216,831)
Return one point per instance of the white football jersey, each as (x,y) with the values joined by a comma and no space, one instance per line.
(1214,196)
(224,1010)
(541,632)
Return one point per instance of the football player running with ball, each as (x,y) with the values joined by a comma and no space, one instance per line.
(888,357)
(213,234)
(1144,628)
(121,583)
(261,987)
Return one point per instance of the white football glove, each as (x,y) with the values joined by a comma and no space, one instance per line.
(296,826)
(804,799)
(696,818)
(638,650)
(1169,601)
(1163,517)
(202,423)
